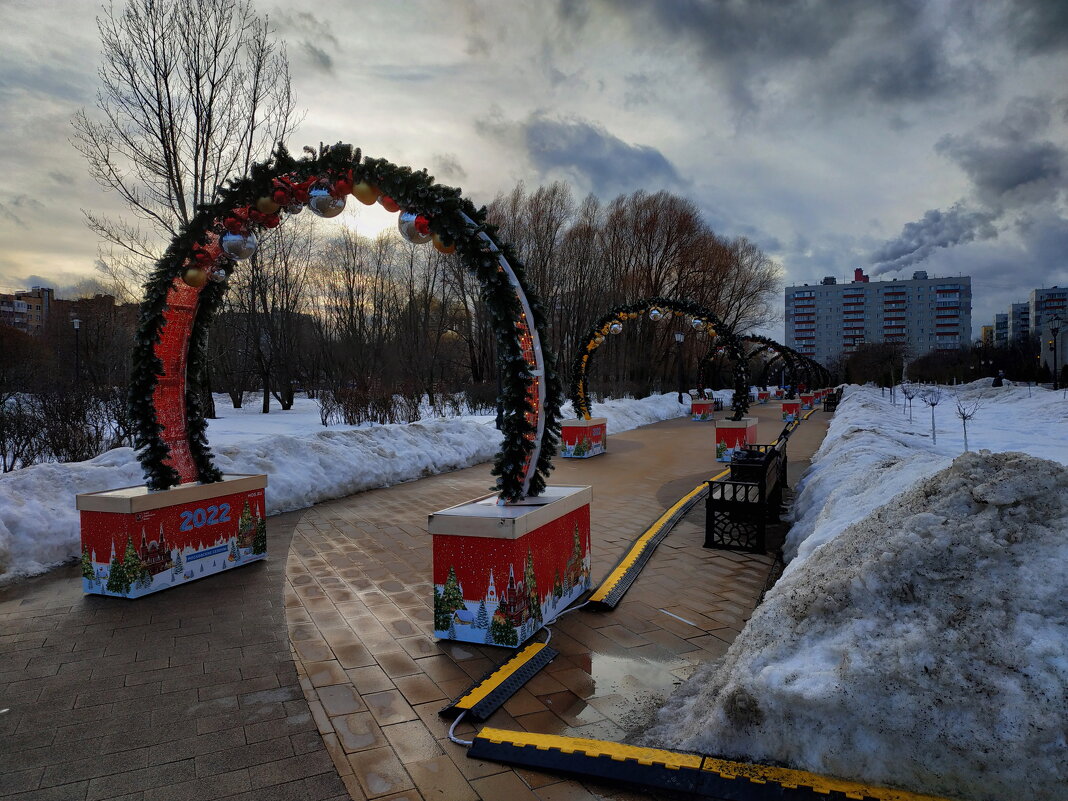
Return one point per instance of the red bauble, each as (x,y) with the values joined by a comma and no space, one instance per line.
(341,187)
(281,197)
(271,221)
(388,203)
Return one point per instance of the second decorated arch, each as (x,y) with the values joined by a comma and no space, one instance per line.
(697,317)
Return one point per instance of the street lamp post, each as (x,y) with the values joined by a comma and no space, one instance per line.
(679,337)
(77,349)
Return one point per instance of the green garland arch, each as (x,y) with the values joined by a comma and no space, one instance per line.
(531,390)
(711,323)
(799,365)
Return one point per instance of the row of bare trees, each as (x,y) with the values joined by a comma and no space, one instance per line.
(324,310)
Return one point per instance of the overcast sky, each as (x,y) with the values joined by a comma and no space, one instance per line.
(887,135)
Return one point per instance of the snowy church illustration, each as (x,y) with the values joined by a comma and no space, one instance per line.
(510,615)
(134,568)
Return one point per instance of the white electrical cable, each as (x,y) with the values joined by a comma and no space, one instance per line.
(452,729)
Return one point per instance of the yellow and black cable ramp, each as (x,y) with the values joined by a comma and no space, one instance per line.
(622,576)
(677,771)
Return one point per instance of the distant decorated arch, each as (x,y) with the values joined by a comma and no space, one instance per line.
(188,283)
(658,308)
(800,368)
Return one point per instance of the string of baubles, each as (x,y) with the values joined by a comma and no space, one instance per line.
(324,197)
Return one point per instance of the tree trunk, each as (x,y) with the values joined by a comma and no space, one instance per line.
(266,393)
(237,397)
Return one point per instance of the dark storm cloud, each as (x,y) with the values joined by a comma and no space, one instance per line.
(1008,173)
(1007,161)
(311,35)
(447,165)
(17,207)
(888,52)
(937,229)
(1038,26)
(318,57)
(588,151)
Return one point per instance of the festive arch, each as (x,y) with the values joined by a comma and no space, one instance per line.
(700,318)
(800,367)
(188,283)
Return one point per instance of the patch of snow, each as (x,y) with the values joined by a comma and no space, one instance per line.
(305,464)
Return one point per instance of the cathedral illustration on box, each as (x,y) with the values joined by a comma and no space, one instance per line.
(505,604)
(134,566)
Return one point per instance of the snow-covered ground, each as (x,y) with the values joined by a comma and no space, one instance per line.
(918,637)
(305,463)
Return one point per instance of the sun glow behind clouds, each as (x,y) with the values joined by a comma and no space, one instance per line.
(368,221)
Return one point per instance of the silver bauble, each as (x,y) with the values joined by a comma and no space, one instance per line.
(615,328)
(323,204)
(697,323)
(239,246)
(218,275)
(294,208)
(406,226)
(655,314)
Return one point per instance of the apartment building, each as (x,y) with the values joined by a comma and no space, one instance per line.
(1044,304)
(27,310)
(1019,322)
(1001,330)
(825,320)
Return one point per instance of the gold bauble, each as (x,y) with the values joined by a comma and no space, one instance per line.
(441,247)
(266,205)
(365,193)
(195,277)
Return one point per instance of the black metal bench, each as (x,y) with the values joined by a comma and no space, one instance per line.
(830,403)
(739,508)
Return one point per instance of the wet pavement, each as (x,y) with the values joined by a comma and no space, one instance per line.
(313,675)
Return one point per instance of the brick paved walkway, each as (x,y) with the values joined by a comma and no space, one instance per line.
(195,693)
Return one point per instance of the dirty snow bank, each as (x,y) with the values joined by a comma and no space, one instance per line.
(873,451)
(305,464)
(925,649)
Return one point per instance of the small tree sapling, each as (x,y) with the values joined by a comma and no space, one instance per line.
(932,396)
(966,410)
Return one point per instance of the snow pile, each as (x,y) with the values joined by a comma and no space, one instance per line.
(872,452)
(924,649)
(305,463)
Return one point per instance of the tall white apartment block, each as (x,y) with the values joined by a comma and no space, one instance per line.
(825,320)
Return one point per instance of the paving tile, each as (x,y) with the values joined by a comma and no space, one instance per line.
(340,699)
(439,779)
(505,786)
(389,707)
(380,773)
(419,689)
(325,673)
(412,741)
(358,732)
(370,679)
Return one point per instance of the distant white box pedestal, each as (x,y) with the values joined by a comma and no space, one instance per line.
(136,541)
(581,439)
(501,571)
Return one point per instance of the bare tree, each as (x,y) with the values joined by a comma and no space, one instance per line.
(931,396)
(908,389)
(966,410)
(193,92)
